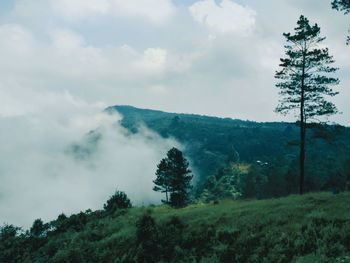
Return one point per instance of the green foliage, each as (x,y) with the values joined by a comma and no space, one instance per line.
(305,81)
(163,180)
(38,229)
(304,74)
(227,183)
(119,200)
(173,177)
(8,231)
(211,141)
(148,239)
(215,143)
(341,5)
(12,245)
(308,228)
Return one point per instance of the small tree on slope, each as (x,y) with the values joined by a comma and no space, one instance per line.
(174,178)
(119,200)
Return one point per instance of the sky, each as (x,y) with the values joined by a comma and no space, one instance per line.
(212,57)
(64,61)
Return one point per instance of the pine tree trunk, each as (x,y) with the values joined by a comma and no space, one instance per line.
(302,141)
(302,157)
(302,127)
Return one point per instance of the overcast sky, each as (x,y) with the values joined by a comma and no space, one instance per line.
(214,57)
(63,61)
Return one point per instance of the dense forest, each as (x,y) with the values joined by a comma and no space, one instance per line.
(245,159)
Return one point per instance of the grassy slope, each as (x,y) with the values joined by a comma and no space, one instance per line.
(310,228)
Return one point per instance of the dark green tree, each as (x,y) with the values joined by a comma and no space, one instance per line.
(343,6)
(305,81)
(162,182)
(38,228)
(117,201)
(12,244)
(174,178)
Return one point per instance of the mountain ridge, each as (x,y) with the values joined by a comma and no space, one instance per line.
(129,108)
(213,143)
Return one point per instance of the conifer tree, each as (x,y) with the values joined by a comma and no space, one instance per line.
(162,182)
(305,80)
(174,178)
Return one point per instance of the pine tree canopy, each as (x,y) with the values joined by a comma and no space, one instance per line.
(162,182)
(305,74)
(306,81)
(341,5)
(178,167)
(173,178)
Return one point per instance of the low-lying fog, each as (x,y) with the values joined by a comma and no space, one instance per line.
(50,163)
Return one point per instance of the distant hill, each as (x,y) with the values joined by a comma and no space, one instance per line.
(213,138)
(211,142)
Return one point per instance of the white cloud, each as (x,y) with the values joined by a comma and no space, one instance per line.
(69,44)
(153,60)
(155,11)
(80,9)
(67,41)
(269,55)
(158,89)
(227,16)
(15,39)
(67,61)
(42,177)
(31,8)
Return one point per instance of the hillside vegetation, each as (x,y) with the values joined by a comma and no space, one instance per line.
(310,228)
(214,145)
(235,214)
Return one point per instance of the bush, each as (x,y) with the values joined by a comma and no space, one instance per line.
(117,201)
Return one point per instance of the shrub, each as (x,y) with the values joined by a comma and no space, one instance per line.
(117,201)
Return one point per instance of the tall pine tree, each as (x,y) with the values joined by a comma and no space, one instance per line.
(305,81)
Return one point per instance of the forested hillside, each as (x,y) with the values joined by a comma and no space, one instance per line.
(250,159)
(238,162)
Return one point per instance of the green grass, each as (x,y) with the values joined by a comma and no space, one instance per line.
(310,228)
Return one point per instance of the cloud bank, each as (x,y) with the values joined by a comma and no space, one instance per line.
(49,163)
